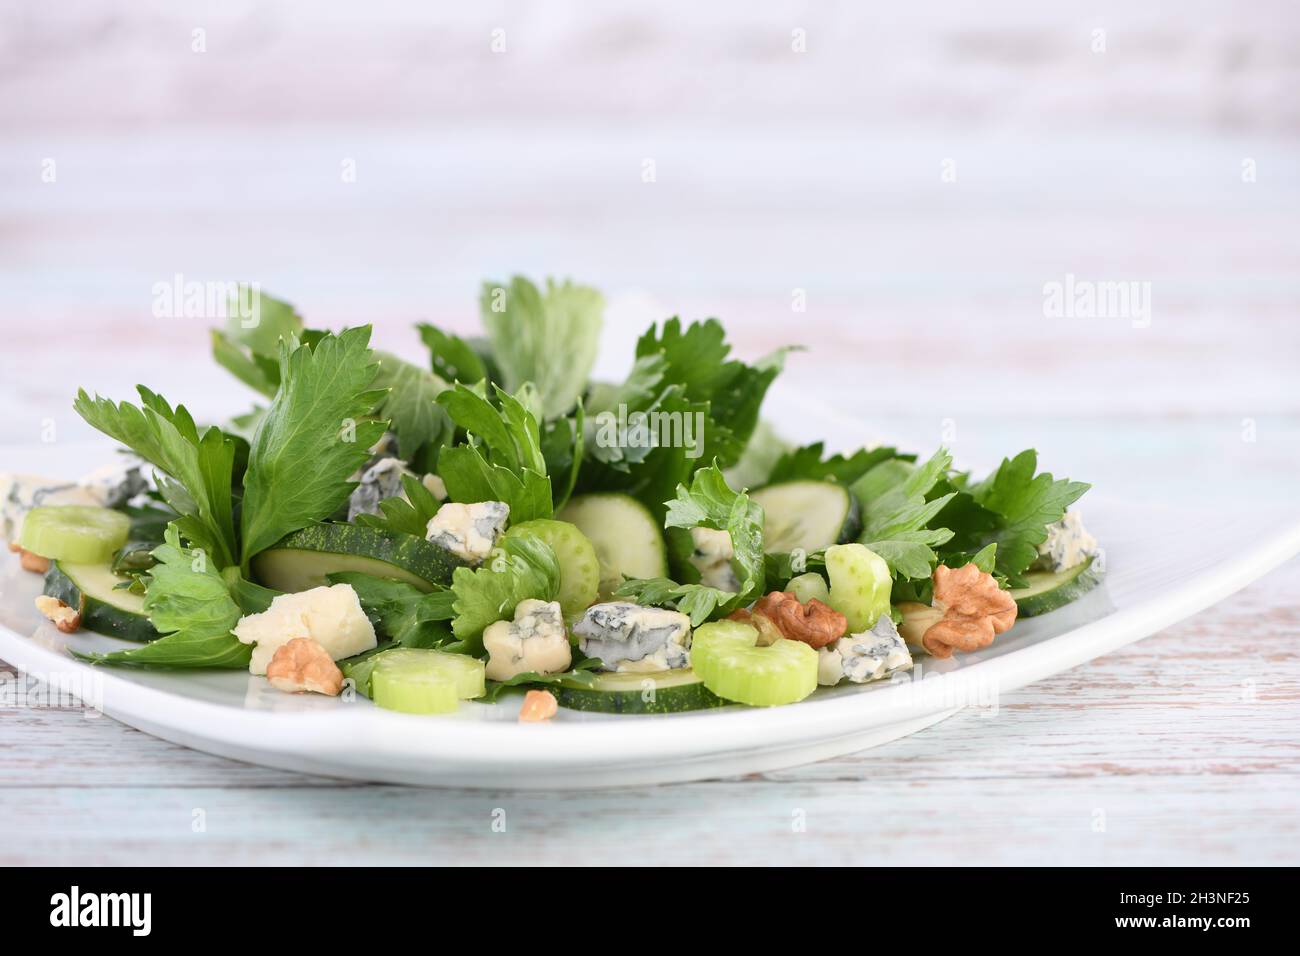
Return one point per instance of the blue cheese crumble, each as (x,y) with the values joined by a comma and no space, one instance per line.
(864,657)
(1068,543)
(712,558)
(469,531)
(630,638)
(534,642)
(381,480)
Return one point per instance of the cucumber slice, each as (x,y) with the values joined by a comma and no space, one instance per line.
(105,609)
(303,560)
(1048,590)
(579,567)
(627,539)
(726,656)
(667,692)
(417,681)
(808,586)
(83,534)
(860,585)
(807,515)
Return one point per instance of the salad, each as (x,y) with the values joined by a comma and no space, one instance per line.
(426,530)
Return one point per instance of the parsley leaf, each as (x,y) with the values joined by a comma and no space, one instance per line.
(411,405)
(312,438)
(809,464)
(696,359)
(710,503)
(582,673)
(191,605)
(507,463)
(523,566)
(198,466)
(409,514)
(1026,504)
(250,354)
(548,339)
(453,358)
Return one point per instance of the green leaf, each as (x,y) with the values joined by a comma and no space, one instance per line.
(563,448)
(507,464)
(277,322)
(1026,503)
(188,601)
(809,464)
(411,617)
(696,359)
(911,554)
(251,353)
(199,465)
(710,503)
(409,514)
(899,518)
(549,339)
(522,567)
(411,405)
(453,359)
(311,440)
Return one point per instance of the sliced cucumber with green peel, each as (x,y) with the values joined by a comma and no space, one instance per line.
(579,566)
(302,560)
(729,661)
(807,515)
(1049,590)
(627,539)
(808,586)
(665,692)
(860,585)
(83,534)
(105,608)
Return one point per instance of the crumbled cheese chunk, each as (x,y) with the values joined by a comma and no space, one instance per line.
(1068,543)
(121,482)
(535,641)
(330,616)
(19,494)
(437,487)
(712,558)
(864,657)
(469,531)
(381,480)
(631,638)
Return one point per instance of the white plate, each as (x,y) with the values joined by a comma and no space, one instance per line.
(1161,567)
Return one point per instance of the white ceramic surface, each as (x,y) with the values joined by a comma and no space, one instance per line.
(1162,565)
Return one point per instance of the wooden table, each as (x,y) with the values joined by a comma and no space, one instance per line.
(824,171)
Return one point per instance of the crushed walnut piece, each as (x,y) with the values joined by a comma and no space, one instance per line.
(30,561)
(814,623)
(66,618)
(539,705)
(968,611)
(303,665)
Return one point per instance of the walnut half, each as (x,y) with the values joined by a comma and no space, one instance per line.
(968,611)
(814,623)
(303,665)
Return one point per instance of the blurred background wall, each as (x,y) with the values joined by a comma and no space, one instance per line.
(911,175)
